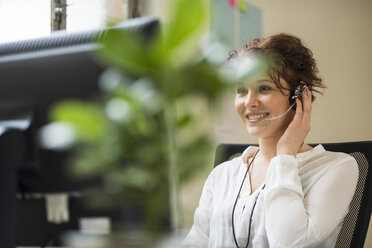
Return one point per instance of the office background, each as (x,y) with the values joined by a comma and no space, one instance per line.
(338,34)
(337,31)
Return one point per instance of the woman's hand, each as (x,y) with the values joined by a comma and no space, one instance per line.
(297,130)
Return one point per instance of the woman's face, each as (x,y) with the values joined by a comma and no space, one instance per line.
(258,98)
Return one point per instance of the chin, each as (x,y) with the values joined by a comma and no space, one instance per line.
(255,132)
(262,133)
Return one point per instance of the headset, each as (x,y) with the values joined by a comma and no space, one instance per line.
(296,93)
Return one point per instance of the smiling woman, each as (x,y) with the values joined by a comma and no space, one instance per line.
(258,99)
(282,193)
(263,95)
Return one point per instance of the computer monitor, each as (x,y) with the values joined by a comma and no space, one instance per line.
(35,74)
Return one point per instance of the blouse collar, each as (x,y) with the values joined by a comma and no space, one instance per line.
(251,150)
(310,153)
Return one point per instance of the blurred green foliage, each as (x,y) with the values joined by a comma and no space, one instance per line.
(130,135)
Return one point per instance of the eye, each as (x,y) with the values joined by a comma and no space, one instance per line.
(241,90)
(264,89)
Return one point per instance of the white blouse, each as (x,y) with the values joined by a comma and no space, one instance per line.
(303,203)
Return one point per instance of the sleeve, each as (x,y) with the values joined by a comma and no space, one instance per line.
(199,233)
(297,220)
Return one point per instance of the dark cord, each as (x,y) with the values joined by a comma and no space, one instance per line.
(251,217)
(236,201)
(254,205)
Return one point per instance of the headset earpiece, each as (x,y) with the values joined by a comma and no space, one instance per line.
(297,93)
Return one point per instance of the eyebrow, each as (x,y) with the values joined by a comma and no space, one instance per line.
(264,81)
(259,81)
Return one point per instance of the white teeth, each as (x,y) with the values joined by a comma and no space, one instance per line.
(255,117)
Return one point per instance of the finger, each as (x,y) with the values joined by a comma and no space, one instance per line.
(308,99)
(306,107)
(298,115)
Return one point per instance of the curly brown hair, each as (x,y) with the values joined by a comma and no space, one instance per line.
(288,58)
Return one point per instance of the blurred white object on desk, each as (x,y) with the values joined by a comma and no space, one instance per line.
(95,225)
(57,208)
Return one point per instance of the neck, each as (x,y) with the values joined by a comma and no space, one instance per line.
(267,148)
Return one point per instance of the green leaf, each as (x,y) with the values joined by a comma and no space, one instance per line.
(184,120)
(194,156)
(186,25)
(132,177)
(87,119)
(126,50)
(201,78)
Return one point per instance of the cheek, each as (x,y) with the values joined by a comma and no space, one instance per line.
(280,105)
(239,104)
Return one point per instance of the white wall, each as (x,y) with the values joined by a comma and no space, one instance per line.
(338,34)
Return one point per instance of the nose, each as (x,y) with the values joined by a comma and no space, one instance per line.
(251,100)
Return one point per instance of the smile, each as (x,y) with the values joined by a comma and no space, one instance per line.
(256,117)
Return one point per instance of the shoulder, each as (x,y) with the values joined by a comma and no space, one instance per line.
(332,159)
(227,167)
(339,163)
(320,162)
(339,159)
(221,176)
(329,170)
(236,161)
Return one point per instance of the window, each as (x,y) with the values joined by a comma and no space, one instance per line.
(25,19)
(85,14)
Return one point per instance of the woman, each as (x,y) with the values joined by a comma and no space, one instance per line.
(283,193)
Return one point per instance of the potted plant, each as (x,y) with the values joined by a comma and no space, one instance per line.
(140,136)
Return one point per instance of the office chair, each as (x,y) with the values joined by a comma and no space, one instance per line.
(355,225)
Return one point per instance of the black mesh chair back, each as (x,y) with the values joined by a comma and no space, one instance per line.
(355,225)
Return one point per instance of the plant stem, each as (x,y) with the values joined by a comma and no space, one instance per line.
(173,172)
